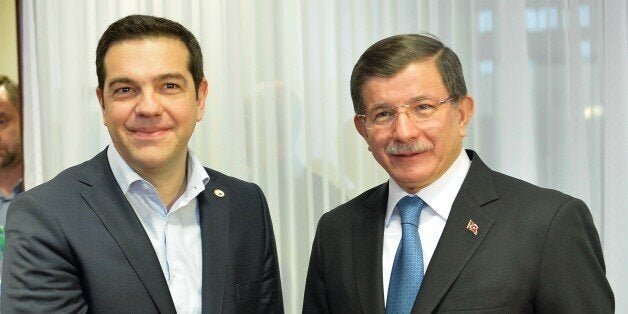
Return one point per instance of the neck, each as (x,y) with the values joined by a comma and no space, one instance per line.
(170,183)
(10,177)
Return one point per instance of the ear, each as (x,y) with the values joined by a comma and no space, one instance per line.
(465,110)
(360,126)
(101,101)
(201,95)
(100,98)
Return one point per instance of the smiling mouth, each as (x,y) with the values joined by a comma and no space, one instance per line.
(407,154)
(148,134)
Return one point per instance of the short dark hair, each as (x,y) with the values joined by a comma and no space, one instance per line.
(143,26)
(13,90)
(391,55)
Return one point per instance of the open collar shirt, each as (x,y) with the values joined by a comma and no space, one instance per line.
(175,233)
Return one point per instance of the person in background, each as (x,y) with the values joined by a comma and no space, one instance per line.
(143,227)
(11,161)
(445,233)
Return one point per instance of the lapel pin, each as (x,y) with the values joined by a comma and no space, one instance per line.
(471,226)
(219,193)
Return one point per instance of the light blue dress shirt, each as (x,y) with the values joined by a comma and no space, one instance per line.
(175,233)
(5,201)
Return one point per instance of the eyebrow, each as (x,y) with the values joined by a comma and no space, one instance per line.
(117,80)
(170,76)
(160,77)
(411,100)
(419,98)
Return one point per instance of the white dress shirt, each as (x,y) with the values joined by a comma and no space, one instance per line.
(176,233)
(438,198)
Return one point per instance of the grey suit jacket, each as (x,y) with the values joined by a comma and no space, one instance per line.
(75,245)
(536,250)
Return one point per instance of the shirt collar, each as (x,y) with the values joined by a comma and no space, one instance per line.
(125,175)
(197,179)
(16,190)
(439,195)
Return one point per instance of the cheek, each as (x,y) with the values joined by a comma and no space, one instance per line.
(116,116)
(11,133)
(440,133)
(377,147)
(377,142)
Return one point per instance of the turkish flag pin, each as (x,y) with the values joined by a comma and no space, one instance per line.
(471,226)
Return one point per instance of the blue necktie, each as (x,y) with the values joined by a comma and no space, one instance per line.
(407,271)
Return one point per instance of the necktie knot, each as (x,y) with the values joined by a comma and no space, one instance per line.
(410,209)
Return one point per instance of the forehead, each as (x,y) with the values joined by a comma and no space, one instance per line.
(149,56)
(417,79)
(5,101)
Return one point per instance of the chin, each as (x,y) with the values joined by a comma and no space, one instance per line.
(410,177)
(147,160)
(152,161)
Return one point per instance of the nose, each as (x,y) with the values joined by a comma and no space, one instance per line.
(149,105)
(404,129)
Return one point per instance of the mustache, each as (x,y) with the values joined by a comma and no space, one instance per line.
(408,148)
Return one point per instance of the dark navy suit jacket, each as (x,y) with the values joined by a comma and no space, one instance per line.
(536,250)
(75,245)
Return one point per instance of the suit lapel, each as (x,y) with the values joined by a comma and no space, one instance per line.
(214,220)
(105,198)
(368,241)
(457,244)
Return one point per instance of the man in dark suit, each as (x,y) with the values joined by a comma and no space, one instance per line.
(143,227)
(445,233)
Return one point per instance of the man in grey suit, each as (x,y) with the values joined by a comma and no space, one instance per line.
(143,227)
(445,233)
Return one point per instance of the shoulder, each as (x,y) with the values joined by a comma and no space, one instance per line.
(246,196)
(517,201)
(67,183)
(513,187)
(232,183)
(50,204)
(532,203)
(485,185)
(514,202)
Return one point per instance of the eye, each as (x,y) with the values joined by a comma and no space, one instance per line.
(170,88)
(423,109)
(382,114)
(123,91)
